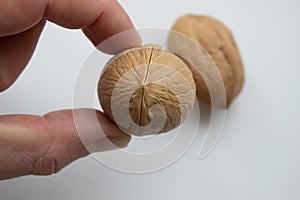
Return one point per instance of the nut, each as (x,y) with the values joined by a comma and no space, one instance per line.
(136,81)
(218,42)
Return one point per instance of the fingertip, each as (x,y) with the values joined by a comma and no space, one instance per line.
(113,132)
(97,133)
(113,31)
(120,42)
(86,131)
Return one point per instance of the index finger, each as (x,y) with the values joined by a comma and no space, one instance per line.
(99,19)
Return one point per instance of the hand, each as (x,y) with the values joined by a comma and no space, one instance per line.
(43,145)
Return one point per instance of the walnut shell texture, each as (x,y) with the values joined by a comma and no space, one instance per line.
(136,80)
(219,43)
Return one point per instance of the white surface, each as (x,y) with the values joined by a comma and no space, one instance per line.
(258,154)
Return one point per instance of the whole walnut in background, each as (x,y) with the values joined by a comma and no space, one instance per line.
(218,41)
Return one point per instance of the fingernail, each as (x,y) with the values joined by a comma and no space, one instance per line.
(115,137)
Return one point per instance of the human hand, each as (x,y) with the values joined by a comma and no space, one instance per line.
(43,145)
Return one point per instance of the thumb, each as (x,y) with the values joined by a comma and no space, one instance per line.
(85,131)
(45,145)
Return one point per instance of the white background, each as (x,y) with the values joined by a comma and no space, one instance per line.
(258,155)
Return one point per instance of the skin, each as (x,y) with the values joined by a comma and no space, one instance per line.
(43,145)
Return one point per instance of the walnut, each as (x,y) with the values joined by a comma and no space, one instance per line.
(134,82)
(218,42)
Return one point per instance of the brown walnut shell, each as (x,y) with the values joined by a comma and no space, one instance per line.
(219,43)
(139,78)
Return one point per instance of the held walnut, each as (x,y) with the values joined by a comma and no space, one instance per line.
(218,42)
(136,81)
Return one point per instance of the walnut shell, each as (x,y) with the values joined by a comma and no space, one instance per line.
(218,41)
(136,80)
